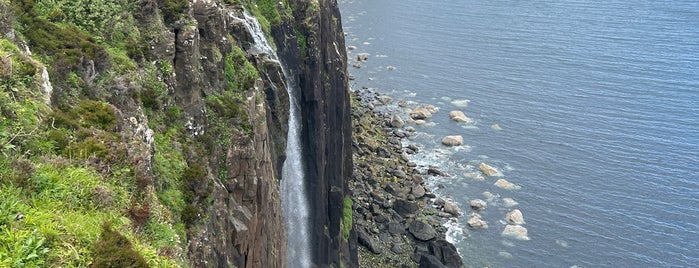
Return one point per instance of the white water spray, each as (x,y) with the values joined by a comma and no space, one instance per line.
(294,201)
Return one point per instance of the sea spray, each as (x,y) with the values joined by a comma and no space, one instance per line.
(294,201)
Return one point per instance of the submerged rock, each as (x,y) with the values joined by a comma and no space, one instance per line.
(489,170)
(453,140)
(516,232)
(509,202)
(459,116)
(504,184)
(515,217)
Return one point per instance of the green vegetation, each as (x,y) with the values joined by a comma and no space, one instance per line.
(172,10)
(346,223)
(112,249)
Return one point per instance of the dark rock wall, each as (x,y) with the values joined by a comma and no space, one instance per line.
(321,72)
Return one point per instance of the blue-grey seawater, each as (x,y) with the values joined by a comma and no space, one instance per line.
(598,102)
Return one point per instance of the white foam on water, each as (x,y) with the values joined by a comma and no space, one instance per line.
(460,103)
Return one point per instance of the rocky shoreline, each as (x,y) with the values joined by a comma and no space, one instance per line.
(399,222)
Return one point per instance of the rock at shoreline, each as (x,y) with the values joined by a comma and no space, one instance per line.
(418,191)
(489,171)
(385,100)
(516,232)
(515,217)
(420,113)
(509,202)
(476,222)
(436,172)
(446,253)
(390,67)
(351,47)
(452,208)
(453,140)
(422,231)
(420,122)
(504,184)
(405,208)
(357,65)
(402,104)
(429,261)
(459,116)
(396,122)
(478,204)
(496,127)
(431,108)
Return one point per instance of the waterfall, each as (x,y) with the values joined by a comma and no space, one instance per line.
(293,190)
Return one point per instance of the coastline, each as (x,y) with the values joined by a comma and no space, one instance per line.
(399,221)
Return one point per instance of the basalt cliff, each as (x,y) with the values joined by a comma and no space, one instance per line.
(140,133)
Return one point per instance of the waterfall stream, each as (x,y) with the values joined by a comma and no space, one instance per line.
(294,201)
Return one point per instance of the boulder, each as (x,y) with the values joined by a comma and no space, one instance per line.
(390,68)
(385,100)
(430,108)
(420,113)
(452,208)
(504,184)
(422,231)
(446,253)
(459,116)
(453,140)
(516,232)
(351,47)
(489,171)
(429,261)
(478,204)
(395,228)
(476,222)
(515,217)
(362,56)
(369,242)
(396,122)
(418,191)
(402,104)
(496,127)
(436,172)
(420,122)
(405,208)
(357,65)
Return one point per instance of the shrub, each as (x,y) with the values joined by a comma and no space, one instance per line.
(172,10)
(112,249)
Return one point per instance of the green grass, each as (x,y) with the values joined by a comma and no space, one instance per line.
(346,223)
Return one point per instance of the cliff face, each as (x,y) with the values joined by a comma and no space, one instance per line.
(164,120)
(326,133)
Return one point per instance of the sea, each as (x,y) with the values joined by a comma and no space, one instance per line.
(591,107)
